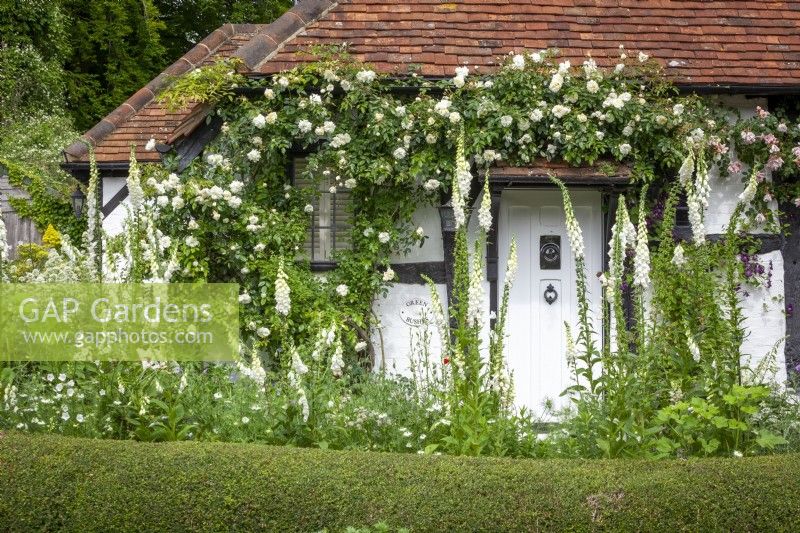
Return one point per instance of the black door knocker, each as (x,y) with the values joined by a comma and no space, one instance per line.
(550,294)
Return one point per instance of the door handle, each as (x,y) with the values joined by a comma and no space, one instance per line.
(550,294)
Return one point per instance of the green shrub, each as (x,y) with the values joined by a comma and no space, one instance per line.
(59,483)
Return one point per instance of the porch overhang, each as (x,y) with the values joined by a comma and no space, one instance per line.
(601,174)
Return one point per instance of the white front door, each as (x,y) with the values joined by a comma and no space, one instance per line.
(543,296)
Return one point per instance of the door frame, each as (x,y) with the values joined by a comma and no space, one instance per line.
(609,197)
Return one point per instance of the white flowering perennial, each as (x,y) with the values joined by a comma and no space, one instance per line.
(283,303)
(694,349)
(461,183)
(135,191)
(574,233)
(476,292)
(485,210)
(641,261)
(94,222)
(298,366)
(513,263)
(337,361)
(3,246)
(679,256)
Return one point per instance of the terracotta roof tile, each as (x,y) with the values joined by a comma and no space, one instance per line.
(387,34)
(725,43)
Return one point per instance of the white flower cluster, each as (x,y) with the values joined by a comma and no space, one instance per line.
(340,139)
(694,349)
(337,361)
(476,292)
(513,263)
(283,302)
(641,261)
(3,243)
(461,182)
(559,110)
(574,233)
(679,256)
(460,78)
(616,101)
(365,76)
(135,191)
(485,210)
(556,82)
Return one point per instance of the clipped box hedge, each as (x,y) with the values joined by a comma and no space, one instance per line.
(57,483)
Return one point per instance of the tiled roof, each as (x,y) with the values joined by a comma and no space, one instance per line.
(700,43)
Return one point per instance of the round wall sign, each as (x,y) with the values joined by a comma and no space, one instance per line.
(414,311)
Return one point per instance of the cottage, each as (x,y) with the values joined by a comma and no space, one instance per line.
(737,54)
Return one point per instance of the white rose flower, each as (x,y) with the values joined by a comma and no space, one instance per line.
(677,109)
(236,186)
(643,57)
(315,99)
(340,139)
(442,107)
(283,81)
(308,208)
(151,145)
(431,185)
(420,232)
(342,290)
(384,237)
(518,62)
(304,126)
(269,94)
(162,201)
(506,120)
(399,153)
(177,202)
(556,82)
(388,275)
(271,117)
(254,155)
(625,149)
(600,135)
(350,183)
(191,241)
(454,117)
(536,115)
(560,110)
(366,76)
(259,121)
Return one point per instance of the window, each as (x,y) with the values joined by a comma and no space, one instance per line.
(330,220)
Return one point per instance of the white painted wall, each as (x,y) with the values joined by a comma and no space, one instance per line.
(765,320)
(426,218)
(113,222)
(763,308)
(394,340)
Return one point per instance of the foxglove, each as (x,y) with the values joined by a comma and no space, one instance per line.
(283,303)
